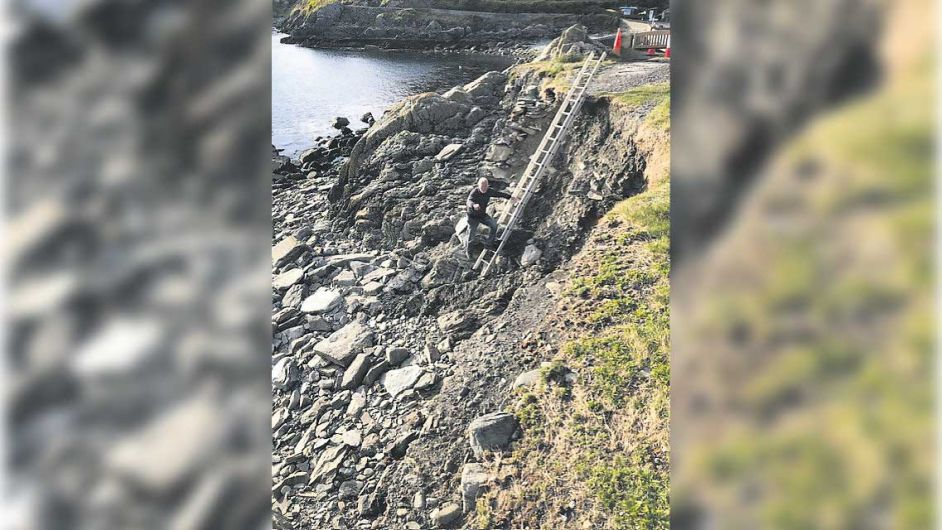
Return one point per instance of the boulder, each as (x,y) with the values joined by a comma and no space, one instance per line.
(527,378)
(369,506)
(498,153)
(353,375)
(294,296)
(448,152)
(474,479)
(398,381)
(571,45)
(488,85)
(322,301)
(447,515)
(340,122)
(374,373)
(287,279)
(343,345)
(458,95)
(286,251)
(531,254)
(475,115)
(492,432)
(395,356)
(284,374)
(459,322)
(423,114)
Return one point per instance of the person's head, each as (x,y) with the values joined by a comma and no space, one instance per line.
(483,184)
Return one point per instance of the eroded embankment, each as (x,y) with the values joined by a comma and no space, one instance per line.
(386,347)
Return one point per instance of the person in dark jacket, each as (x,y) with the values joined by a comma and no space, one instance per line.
(477,212)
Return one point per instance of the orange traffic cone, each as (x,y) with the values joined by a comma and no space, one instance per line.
(651,52)
(616,49)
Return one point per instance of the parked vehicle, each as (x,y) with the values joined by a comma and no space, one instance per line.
(664,21)
(631,12)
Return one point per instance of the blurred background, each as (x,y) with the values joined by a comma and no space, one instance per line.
(136,249)
(137,235)
(803,289)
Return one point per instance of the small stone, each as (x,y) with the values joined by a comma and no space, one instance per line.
(371,505)
(418,501)
(357,403)
(349,489)
(427,381)
(346,278)
(444,345)
(284,374)
(432,355)
(374,373)
(352,438)
(395,356)
(372,288)
(446,515)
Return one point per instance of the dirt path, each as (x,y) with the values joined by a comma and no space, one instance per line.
(623,76)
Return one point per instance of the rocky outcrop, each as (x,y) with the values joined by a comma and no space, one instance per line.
(351,25)
(572,45)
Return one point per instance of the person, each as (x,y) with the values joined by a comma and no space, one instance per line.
(477,212)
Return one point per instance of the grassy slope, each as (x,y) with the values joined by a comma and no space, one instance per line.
(839,417)
(601,442)
(834,420)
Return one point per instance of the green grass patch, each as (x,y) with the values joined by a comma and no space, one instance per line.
(309,6)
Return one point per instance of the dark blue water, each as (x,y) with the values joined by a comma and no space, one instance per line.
(310,87)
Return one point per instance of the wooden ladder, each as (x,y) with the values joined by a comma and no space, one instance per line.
(541,160)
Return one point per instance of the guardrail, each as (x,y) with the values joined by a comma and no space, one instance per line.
(650,39)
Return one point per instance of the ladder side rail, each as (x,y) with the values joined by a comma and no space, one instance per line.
(532,166)
(543,159)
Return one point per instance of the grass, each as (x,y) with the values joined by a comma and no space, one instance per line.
(640,95)
(309,6)
(833,420)
(596,449)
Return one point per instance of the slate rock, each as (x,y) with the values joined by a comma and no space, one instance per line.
(286,251)
(474,478)
(447,515)
(353,375)
(343,345)
(492,432)
(398,381)
(322,301)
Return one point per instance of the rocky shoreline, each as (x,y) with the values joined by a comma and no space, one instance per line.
(392,360)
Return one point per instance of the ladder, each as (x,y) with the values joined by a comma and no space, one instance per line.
(541,160)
